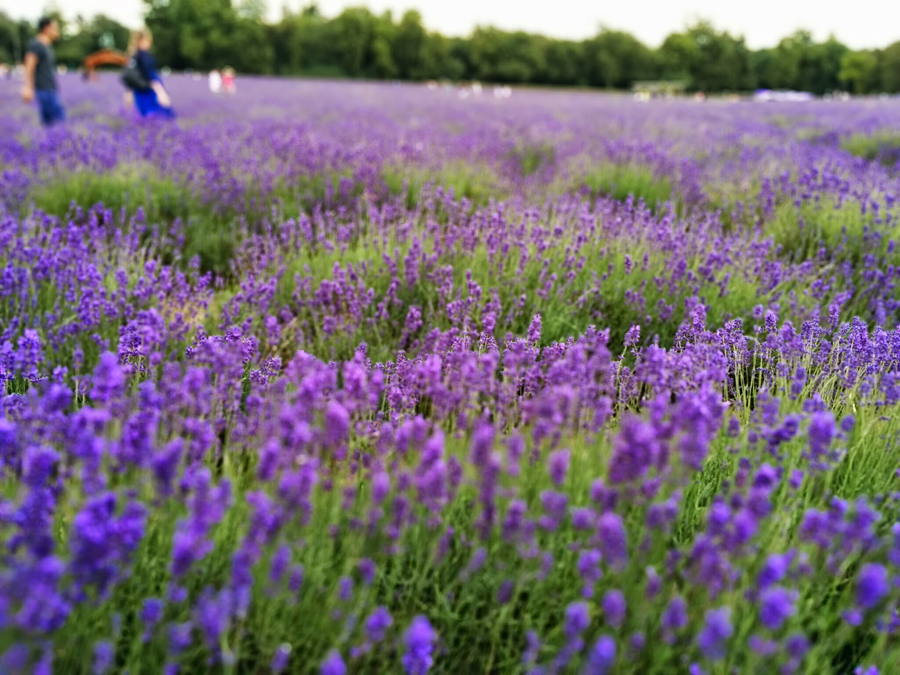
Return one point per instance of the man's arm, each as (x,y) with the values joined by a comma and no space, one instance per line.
(28,88)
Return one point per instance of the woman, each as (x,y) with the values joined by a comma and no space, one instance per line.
(154,101)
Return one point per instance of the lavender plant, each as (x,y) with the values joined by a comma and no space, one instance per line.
(392,381)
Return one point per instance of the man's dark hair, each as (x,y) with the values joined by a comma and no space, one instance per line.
(43,22)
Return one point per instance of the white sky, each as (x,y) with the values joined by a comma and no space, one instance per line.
(859,24)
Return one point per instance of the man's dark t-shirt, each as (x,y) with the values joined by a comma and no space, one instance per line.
(44,71)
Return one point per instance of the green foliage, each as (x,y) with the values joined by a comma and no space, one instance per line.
(859,71)
(623,181)
(890,68)
(615,60)
(711,61)
(883,146)
(476,184)
(498,56)
(411,48)
(162,200)
(14,35)
(84,37)
(837,234)
(529,158)
(801,64)
(206,34)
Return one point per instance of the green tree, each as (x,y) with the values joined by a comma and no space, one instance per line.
(13,37)
(709,60)
(498,56)
(352,36)
(565,63)
(827,58)
(890,69)
(298,41)
(802,64)
(859,71)
(614,59)
(412,50)
(252,10)
(85,37)
(207,34)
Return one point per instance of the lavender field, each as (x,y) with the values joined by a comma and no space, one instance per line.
(350,378)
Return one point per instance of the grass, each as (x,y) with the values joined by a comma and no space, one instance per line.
(472,182)
(883,146)
(842,238)
(530,158)
(623,181)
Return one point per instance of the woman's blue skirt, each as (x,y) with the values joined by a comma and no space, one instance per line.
(147,104)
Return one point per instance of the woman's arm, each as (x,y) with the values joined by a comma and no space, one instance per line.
(161,94)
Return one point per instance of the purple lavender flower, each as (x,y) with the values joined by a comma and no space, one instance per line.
(108,380)
(151,614)
(613,539)
(368,570)
(333,664)
(774,569)
(713,637)
(505,592)
(419,639)
(588,567)
(578,618)
(797,645)
(601,657)
(345,589)
(558,466)
(532,648)
(614,608)
(776,605)
(674,618)
(377,623)
(872,585)
(281,658)
(104,657)
(180,637)
(337,424)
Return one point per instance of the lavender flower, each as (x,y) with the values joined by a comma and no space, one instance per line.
(601,657)
(419,639)
(333,664)
(872,585)
(377,623)
(714,635)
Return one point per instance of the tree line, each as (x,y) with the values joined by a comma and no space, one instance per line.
(206,34)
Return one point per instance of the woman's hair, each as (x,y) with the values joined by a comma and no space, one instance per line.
(136,37)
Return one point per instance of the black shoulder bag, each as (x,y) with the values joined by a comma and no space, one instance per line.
(133,78)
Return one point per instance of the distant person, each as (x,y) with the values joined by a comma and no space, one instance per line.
(228,81)
(151,98)
(40,74)
(215,81)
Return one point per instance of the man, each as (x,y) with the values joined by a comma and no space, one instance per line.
(40,73)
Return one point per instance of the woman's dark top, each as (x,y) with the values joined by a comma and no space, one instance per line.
(146,64)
